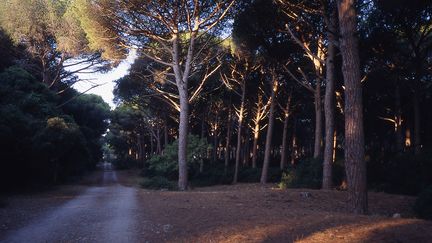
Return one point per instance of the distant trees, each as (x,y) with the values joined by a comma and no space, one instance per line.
(177,35)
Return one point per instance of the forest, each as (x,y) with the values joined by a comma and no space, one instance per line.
(322,94)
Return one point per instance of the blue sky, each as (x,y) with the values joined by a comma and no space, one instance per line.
(105,80)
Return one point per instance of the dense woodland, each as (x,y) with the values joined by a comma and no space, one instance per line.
(319,94)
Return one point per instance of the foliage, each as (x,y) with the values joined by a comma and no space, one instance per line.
(253,175)
(423,204)
(401,173)
(307,173)
(40,142)
(213,174)
(166,164)
(158,182)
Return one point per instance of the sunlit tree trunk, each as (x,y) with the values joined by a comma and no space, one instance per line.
(269,135)
(329,101)
(256,131)
(239,130)
(355,165)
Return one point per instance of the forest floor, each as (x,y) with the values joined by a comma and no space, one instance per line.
(110,206)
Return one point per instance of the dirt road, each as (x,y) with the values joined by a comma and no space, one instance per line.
(104,212)
(111,208)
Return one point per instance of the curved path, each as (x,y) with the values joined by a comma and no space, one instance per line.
(103,213)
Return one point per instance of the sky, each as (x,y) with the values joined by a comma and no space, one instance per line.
(105,80)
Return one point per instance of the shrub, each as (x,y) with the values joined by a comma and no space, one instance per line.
(423,204)
(167,163)
(254,174)
(214,175)
(158,182)
(307,173)
(401,173)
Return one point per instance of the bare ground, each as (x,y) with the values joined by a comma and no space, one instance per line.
(240,213)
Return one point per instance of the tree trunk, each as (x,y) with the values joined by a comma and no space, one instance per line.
(141,150)
(329,105)
(151,145)
(255,144)
(246,147)
(417,126)
(398,121)
(318,121)
(269,135)
(294,144)
(355,165)
(166,133)
(159,142)
(228,138)
(283,161)
(182,140)
(239,129)
(215,147)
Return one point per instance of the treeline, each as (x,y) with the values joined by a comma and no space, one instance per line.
(276,96)
(320,90)
(49,133)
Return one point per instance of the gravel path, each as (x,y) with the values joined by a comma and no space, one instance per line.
(102,213)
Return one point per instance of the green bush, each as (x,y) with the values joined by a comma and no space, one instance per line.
(307,173)
(251,175)
(158,182)
(423,204)
(400,173)
(214,175)
(167,164)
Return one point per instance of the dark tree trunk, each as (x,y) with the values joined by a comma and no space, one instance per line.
(159,142)
(151,145)
(269,135)
(355,165)
(318,121)
(166,141)
(398,121)
(228,138)
(283,161)
(215,147)
(246,146)
(294,144)
(329,104)
(417,126)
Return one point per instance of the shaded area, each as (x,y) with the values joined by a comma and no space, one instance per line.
(108,207)
(103,212)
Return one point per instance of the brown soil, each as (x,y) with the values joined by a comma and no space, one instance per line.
(255,213)
(249,213)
